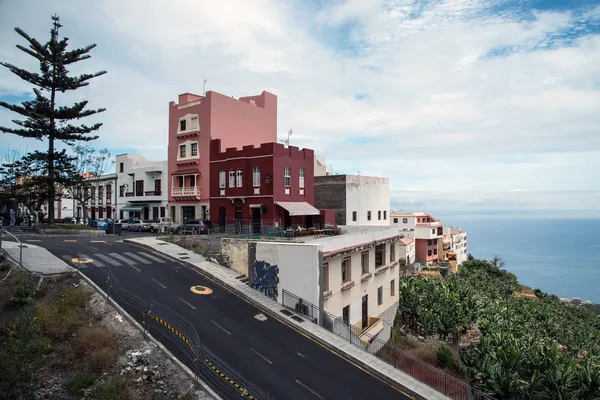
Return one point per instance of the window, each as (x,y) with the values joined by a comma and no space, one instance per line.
(287,175)
(100,192)
(108,192)
(380,295)
(121,167)
(157,188)
(354,216)
(393,287)
(194,123)
(405,220)
(392,252)
(256,176)
(434,241)
(429,242)
(162,211)
(433,231)
(182,153)
(384,214)
(222,179)
(346,315)
(346,270)
(182,125)
(326,277)
(194,150)
(231,178)
(395,220)
(139,188)
(181,181)
(429,252)
(301,178)
(121,191)
(93,193)
(434,251)
(364,262)
(368,215)
(239,177)
(379,215)
(192,181)
(379,255)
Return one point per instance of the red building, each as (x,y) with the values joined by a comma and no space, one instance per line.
(270,185)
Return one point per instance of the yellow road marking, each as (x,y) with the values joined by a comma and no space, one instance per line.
(309,389)
(157,282)
(81,260)
(191,306)
(33,240)
(70,241)
(220,327)
(201,290)
(285,323)
(261,356)
(97,241)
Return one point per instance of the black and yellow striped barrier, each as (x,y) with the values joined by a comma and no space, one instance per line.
(206,360)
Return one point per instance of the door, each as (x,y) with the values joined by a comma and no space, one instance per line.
(365,311)
(189,212)
(146,212)
(256,220)
(346,315)
(155,212)
(238,220)
(222,218)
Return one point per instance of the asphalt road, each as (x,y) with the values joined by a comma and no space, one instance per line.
(272,355)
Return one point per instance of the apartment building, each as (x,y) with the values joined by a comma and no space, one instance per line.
(141,181)
(321,167)
(193,121)
(357,200)
(426,230)
(458,244)
(406,246)
(268,185)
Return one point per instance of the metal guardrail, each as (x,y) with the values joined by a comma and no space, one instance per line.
(429,375)
(170,327)
(3,232)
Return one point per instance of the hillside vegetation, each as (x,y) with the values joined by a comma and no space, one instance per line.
(528,348)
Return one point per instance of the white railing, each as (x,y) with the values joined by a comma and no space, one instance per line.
(186,191)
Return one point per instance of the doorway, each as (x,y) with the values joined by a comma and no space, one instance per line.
(238,220)
(155,213)
(189,213)
(255,220)
(365,311)
(222,218)
(346,314)
(146,213)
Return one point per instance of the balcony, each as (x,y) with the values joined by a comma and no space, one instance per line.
(374,326)
(100,201)
(185,191)
(153,193)
(129,194)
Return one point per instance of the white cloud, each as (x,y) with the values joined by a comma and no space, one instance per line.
(442,109)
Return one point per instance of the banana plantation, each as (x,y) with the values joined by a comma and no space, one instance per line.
(529,348)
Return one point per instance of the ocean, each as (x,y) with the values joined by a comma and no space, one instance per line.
(558,256)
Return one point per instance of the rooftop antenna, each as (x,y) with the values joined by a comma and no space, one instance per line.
(287,141)
(204,87)
(358,173)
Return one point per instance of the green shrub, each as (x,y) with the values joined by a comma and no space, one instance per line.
(115,388)
(446,359)
(24,294)
(78,383)
(96,348)
(61,316)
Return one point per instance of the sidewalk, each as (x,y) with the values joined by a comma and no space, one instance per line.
(37,259)
(227,276)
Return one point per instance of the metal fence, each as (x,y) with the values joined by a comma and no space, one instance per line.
(431,376)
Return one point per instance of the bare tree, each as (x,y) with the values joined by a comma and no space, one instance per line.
(90,164)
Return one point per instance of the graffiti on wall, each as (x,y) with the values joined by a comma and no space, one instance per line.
(265,278)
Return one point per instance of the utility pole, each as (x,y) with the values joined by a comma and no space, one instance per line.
(287,141)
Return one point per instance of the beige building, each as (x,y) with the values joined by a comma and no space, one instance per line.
(406,245)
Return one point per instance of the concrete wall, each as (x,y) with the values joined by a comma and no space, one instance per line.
(235,254)
(298,268)
(366,194)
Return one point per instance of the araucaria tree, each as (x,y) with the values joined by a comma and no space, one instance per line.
(44,117)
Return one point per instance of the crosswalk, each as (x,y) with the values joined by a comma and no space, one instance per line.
(112,259)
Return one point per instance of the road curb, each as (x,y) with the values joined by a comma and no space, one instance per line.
(291,323)
(166,351)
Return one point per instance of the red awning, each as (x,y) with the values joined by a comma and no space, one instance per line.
(186,171)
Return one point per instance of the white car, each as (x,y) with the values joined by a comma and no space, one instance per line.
(140,225)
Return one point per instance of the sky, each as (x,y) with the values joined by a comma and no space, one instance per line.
(468,106)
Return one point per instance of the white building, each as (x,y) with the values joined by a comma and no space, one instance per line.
(321,167)
(353,276)
(458,244)
(425,229)
(142,187)
(357,200)
(407,250)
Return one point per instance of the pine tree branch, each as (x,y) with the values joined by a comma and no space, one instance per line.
(31,77)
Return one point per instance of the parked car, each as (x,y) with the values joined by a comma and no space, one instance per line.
(122,222)
(162,223)
(139,225)
(196,226)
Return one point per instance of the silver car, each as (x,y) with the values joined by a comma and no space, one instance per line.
(140,225)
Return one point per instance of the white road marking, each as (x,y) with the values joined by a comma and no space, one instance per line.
(220,327)
(107,259)
(261,356)
(157,282)
(191,306)
(124,259)
(309,389)
(138,258)
(261,317)
(153,258)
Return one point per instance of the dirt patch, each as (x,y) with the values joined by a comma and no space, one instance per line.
(65,341)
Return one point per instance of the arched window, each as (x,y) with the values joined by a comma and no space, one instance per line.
(239,177)
(231,178)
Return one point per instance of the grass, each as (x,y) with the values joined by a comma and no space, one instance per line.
(62,316)
(79,382)
(115,388)
(95,348)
